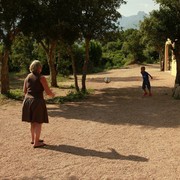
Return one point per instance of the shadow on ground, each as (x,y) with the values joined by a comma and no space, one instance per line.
(124,106)
(115,79)
(118,79)
(79,151)
(33,177)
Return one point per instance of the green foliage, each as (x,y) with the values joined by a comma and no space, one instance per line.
(79,53)
(10,15)
(16,94)
(112,55)
(171,18)
(22,53)
(151,55)
(70,97)
(61,78)
(115,45)
(153,31)
(81,19)
(95,53)
(99,17)
(64,66)
(161,24)
(132,46)
(126,50)
(39,53)
(113,59)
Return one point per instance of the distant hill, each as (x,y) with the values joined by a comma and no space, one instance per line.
(132,21)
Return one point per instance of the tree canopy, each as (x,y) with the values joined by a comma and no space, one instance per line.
(52,21)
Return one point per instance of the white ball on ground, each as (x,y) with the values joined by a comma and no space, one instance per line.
(107,80)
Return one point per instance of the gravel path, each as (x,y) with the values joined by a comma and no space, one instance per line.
(115,134)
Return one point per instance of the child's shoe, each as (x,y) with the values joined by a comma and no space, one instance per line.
(145,94)
(150,94)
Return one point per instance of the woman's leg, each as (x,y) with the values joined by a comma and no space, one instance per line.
(37,134)
(38,142)
(32,132)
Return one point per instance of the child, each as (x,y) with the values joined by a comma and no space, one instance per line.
(146,82)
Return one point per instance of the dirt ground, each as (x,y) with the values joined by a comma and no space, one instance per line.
(115,134)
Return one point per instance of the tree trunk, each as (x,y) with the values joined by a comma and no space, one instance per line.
(177,57)
(74,68)
(176,51)
(5,73)
(50,53)
(177,80)
(58,61)
(161,59)
(85,66)
(4,60)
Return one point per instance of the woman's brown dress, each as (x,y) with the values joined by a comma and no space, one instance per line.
(34,106)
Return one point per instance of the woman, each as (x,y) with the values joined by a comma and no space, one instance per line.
(34,108)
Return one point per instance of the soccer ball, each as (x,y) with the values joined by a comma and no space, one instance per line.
(107,80)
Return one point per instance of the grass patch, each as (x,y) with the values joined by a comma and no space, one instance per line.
(16,94)
(61,78)
(3,97)
(70,97)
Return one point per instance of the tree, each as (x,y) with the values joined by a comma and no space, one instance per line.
(21,53)
(172,20)
(98,17)
(95,53)
(10,19)
(49,22)
(132,46)
(156,28)
(42,21)
(70,32)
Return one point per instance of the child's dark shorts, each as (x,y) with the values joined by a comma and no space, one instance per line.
(146,84)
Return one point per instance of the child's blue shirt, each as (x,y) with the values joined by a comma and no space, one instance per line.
(145,76)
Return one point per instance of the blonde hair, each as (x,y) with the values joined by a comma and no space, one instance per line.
(34,66)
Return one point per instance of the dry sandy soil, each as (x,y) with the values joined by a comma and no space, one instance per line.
(115,134)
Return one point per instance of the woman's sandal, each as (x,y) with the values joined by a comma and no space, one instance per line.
(41,140)
(39,146)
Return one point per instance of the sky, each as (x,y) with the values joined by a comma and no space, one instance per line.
(132,7)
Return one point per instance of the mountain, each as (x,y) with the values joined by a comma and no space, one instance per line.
(132,21)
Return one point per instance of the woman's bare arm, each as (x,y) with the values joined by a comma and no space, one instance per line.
(24,87)
(46,87)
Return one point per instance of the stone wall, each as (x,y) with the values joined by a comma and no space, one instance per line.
(173,67)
